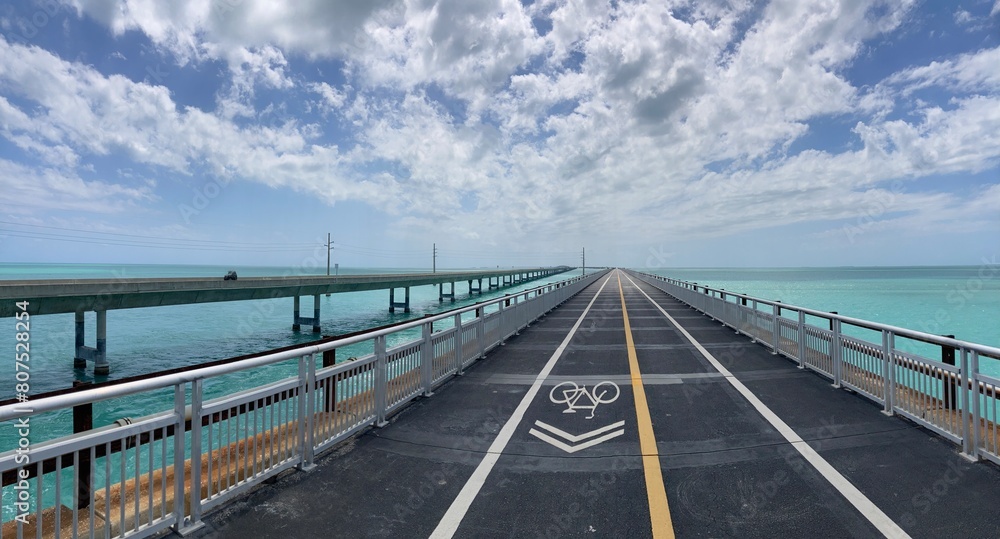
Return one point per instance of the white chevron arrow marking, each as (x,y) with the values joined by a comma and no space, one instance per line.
(576,438)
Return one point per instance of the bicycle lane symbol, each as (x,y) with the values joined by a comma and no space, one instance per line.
(577,397)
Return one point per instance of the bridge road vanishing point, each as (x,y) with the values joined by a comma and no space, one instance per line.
(624,413)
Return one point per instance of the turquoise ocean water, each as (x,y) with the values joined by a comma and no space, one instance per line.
(964,301)
(959,300)
(152,339)
(944,300)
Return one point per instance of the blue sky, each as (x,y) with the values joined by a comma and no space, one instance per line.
(669,133)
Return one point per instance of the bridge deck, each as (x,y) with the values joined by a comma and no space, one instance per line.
(53,296)
(481,457)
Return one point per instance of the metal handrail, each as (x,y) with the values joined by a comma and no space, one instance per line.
(929,338)
(57,402)
(950,396)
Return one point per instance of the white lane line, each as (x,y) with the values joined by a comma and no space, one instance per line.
(581,437)
(456,512)
(861,502)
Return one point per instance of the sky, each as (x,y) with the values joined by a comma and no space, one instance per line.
(661,134)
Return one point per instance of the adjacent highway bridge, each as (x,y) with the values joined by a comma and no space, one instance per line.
(53,296)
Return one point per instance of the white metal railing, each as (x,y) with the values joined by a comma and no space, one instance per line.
(956,400)
(161,471)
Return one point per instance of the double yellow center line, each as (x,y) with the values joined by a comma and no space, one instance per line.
(659,510)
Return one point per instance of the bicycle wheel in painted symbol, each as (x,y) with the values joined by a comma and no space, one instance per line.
(577,397)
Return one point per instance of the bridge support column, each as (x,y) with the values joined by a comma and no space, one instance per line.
(492,286)
(101,365)
(476,289)
(97,354)
(392,301)
(442,295)
(299,320)
(80,357)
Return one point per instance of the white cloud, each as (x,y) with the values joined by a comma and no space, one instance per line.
(265,66)
(195,29)
(672,117)
(970,72)
(469,48)
(331,99)
(56,190)
(78,111)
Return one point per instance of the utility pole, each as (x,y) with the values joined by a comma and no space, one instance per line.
(583,260)
(435,266)
(329,247)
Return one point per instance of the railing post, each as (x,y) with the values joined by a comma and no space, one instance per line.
(83,420)
(740,312)
(381,382)
(194,521)
(300,413)
(836,352)
(776,326)
(427,357)
(976,413)
(755,327)
(512,316)
(330,395)
(802,340)
(948,358)
(516,314)
(179,412)
(968,450)
(888,370)
(481,331)
(501,322)
(731,310)
(309,449)
(458,346)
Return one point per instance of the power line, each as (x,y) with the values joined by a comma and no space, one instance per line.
(493,252)
(125,243)
(149,241)
(362,250)
(379,254)
(151,238)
